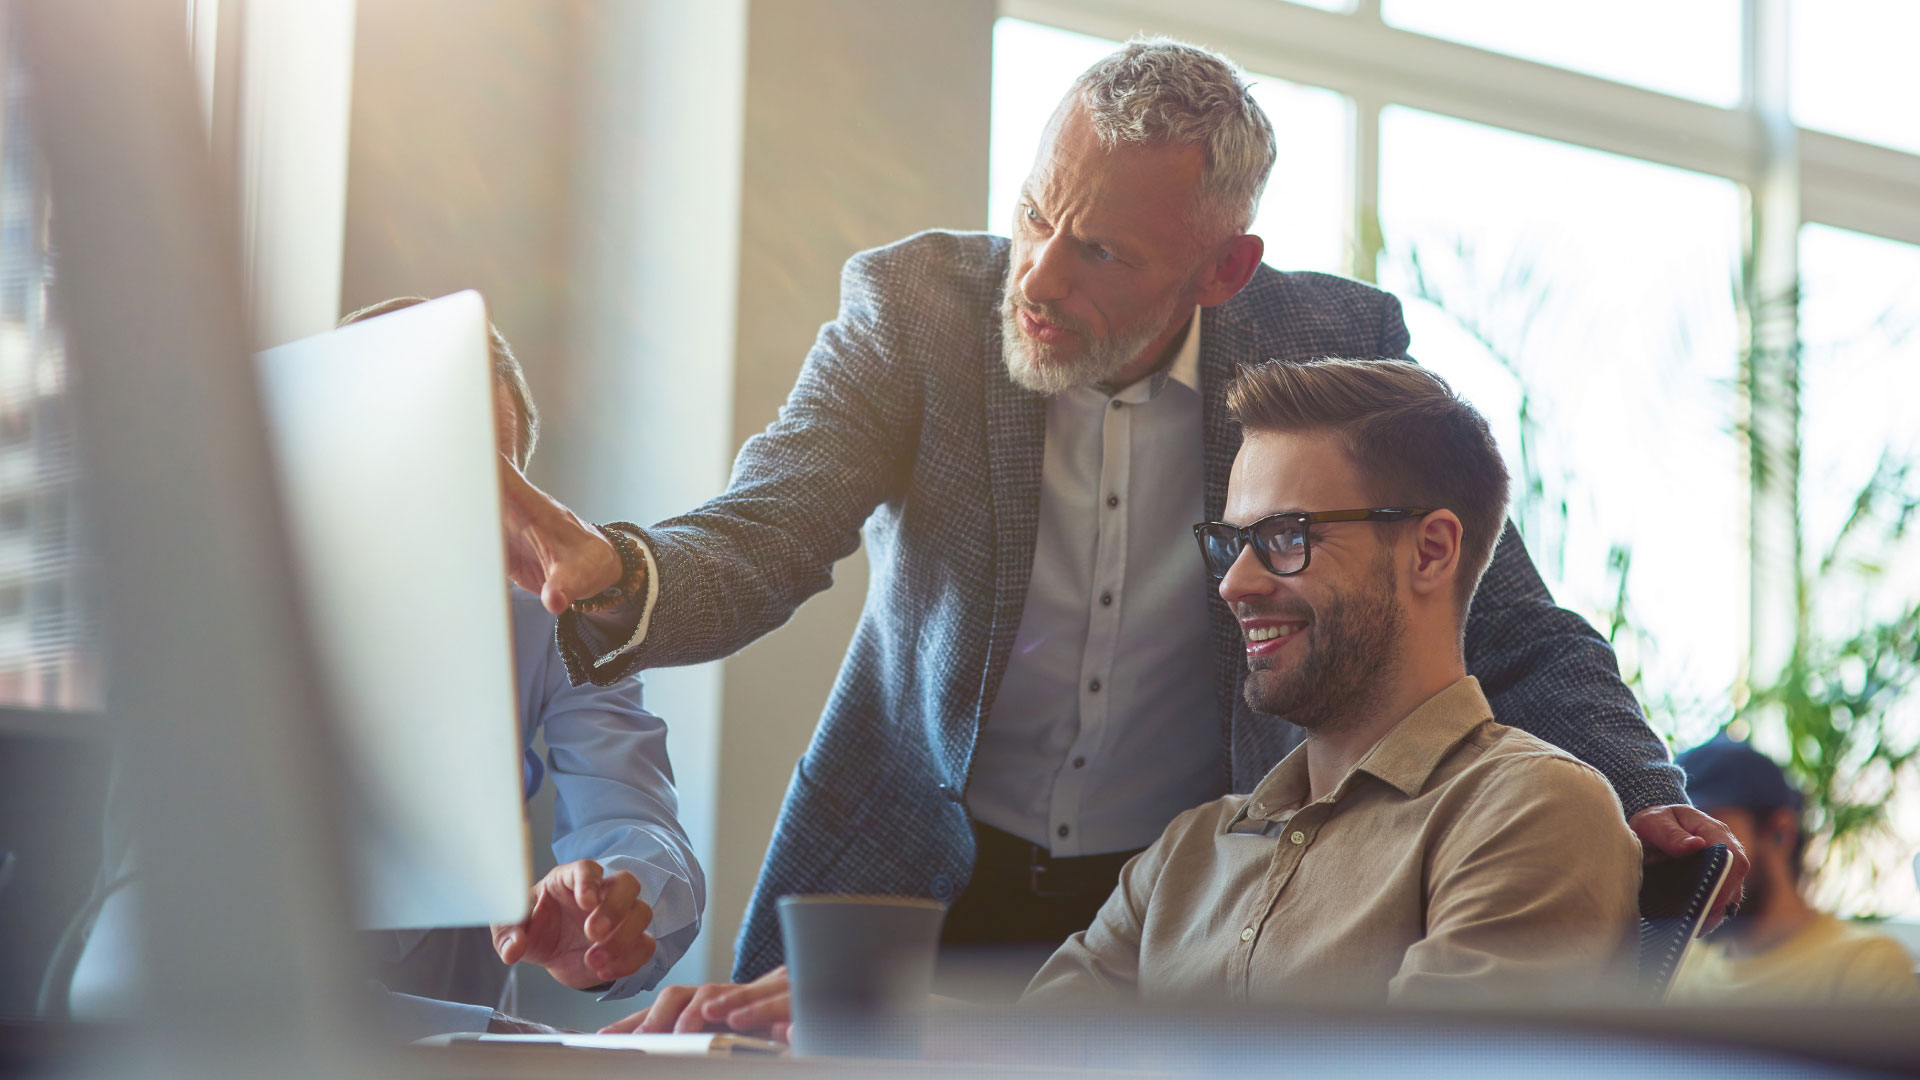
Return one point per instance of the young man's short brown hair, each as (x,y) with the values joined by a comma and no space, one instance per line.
(1417,443)
(506,369)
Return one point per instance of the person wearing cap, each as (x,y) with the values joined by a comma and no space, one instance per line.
(1778,948)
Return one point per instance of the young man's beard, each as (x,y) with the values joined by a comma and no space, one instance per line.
(1031,366)
(1353,646)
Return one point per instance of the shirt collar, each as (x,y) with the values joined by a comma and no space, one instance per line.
(1409,754)
(1184,370)
(1405,758)
(1282,790)
(1186,366)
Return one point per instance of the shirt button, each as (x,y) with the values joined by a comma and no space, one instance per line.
(1247,934)
(1079,763)
(1113,500)
(1116,403)
(1106,599)
(1094,686)
(1298,838)
(1063,831)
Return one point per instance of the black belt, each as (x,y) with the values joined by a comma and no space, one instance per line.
(1004,856)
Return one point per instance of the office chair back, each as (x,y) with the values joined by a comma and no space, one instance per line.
(1675,896)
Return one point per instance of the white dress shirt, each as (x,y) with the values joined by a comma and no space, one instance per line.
(1105,726)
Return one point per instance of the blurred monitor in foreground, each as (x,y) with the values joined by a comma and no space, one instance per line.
(384,432)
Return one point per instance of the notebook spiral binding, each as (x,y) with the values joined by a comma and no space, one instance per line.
(1673,903)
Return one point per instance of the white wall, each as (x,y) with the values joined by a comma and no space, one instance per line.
(865,122)
(642,426)
(297,72)
(711,235)
(462,144)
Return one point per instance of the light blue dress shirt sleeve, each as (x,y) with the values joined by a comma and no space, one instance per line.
(614,796)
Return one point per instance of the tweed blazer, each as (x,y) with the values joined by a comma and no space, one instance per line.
(904,420)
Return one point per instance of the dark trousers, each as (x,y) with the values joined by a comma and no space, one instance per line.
(1020,905)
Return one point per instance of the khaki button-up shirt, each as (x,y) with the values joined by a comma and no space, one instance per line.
(1459,860)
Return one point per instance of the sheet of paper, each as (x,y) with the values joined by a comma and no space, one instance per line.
(670,1045)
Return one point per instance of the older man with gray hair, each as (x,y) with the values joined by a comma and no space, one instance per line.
(1042,678)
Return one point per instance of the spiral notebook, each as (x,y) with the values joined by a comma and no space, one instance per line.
(1675,896)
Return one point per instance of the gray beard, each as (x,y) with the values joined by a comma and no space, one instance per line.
(1033,366)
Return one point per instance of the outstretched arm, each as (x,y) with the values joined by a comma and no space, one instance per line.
(740,565)
(1547,671)
(737,567)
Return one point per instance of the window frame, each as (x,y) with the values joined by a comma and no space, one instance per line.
(1843,182)
(274,86)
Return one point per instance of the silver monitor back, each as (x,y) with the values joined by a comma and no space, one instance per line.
(384,439)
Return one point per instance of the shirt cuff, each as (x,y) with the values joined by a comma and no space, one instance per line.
(1662,788)
(676,922)
(671,947)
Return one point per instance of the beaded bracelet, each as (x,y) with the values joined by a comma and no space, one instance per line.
(633,574)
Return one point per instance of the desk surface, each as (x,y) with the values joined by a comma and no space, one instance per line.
(1645,1044)
(985,1044)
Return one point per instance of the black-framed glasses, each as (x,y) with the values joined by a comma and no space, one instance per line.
(1280,541)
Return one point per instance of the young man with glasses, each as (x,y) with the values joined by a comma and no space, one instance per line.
(1412,848)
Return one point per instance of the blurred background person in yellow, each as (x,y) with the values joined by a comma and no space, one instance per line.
(1778,948)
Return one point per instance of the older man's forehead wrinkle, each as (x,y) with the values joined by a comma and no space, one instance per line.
(1077,184)
(1069,194)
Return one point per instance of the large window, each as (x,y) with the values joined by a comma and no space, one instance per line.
(1525,267)
(1690,49)
(1853,70)
(1860,382)
(1611,276)
(48,660)
(1859,501)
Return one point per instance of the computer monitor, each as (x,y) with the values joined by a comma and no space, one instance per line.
(384,436)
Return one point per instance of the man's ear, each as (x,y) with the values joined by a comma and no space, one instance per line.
(1233,266)
(1436,553)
